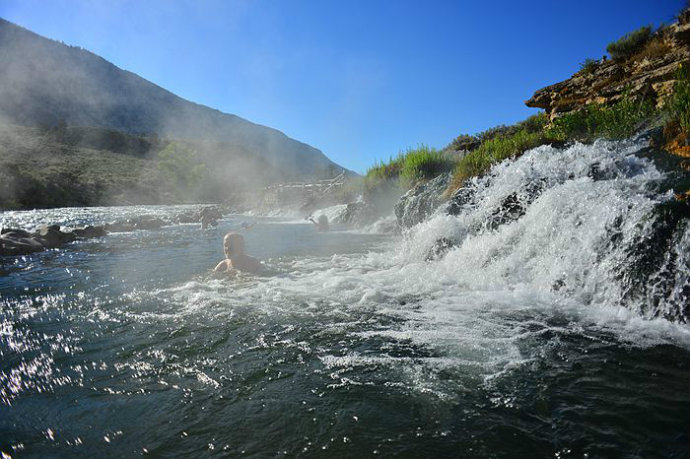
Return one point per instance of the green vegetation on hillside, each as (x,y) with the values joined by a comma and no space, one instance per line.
(618,121)
(588,66)
(421,163)
(181,167)
(630,44)
(678,105)
(470,156)
(59,166)
(677,108)
(495,150)
(48,167)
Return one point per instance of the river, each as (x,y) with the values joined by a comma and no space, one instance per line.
(519,342)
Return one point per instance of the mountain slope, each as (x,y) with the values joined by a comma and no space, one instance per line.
(44,82)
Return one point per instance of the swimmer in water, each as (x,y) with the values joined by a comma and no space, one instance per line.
(236,259)
(321,223)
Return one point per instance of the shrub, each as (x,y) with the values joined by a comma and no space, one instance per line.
(421,163)
(535,123)
(656,47)
(630,43)
(620,120)
(571,126)
(464,142)
(588,66)
(385,171)
(496,131)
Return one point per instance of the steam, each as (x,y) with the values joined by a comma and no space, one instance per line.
(59,102)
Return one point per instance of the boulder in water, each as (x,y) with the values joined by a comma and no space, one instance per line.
(15,242)
(51,237)
(14,233)
(10,246)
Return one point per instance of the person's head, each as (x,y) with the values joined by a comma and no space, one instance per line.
(323,220)
(233,244)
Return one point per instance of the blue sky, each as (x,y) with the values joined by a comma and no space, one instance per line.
(360,80)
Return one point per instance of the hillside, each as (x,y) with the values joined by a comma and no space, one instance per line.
(46,83)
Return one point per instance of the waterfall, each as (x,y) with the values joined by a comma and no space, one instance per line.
(587,223)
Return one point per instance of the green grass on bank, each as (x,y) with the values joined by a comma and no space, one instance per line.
(470,156)
(421,163)
(473,155)
(618,121)
(493,151)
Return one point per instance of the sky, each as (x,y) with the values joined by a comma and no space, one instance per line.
(359,80)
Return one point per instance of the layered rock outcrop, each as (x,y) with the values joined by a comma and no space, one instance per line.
(648,75)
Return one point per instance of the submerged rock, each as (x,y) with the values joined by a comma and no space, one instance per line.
(19,246)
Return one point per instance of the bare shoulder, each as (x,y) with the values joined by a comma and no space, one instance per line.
(224,265)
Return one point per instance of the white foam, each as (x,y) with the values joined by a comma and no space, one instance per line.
(480,309)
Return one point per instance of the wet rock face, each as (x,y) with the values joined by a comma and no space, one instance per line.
(657,266)
(420,202)
(461,198)
(360,214)
(647,77)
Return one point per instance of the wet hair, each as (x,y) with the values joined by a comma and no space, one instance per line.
(232,239)
(323,220)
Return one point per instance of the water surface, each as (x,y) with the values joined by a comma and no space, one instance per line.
(354,346)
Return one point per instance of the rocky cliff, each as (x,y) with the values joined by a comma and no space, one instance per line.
(648,74)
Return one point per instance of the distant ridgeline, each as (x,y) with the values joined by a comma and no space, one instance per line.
(124,139)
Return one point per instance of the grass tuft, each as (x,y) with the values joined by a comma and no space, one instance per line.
(494,151)
(421,163)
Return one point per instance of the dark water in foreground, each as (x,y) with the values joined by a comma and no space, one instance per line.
(125,346)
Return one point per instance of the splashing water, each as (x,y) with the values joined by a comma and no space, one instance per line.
(527,334)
